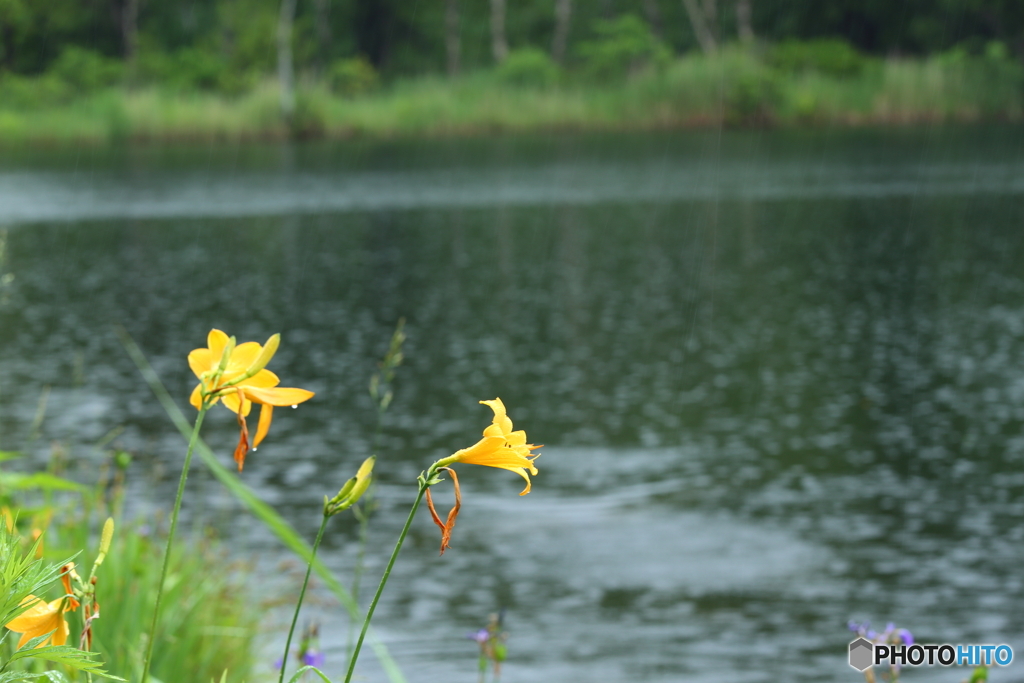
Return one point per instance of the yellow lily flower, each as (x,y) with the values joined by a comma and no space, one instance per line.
(42,618)
(500,447)
(243,382)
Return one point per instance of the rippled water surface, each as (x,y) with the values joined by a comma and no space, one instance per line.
(779,376)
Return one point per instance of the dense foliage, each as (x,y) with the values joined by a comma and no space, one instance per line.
(228,45)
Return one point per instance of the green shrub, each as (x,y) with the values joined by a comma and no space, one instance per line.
(26,92)
(530,67)
(623,46)
(191,68)
(86,71)
(309,120)
(352,77)
(829,56)
(751,98)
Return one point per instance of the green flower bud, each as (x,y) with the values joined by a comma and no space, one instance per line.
(353,489)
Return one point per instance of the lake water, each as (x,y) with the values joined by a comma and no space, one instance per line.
(779,376)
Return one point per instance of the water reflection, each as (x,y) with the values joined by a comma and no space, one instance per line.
(776,396)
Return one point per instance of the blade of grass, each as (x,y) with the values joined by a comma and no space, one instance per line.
(266,514)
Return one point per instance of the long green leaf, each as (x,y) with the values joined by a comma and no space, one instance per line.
(39,480)
(62,654)
(298,674)
(51,676)
(277,524)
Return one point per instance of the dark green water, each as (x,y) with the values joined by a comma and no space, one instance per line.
(780,377)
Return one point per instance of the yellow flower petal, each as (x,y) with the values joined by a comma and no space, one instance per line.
(242,357)
(522,473)
(505,458)
(216,341)
(497,406)
(480,449)
(40,619)
(266,415)
(231,401)
(281,396)
(263,378)
(199,361)
(196,399)
(516,438)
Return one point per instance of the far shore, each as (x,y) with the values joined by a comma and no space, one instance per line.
(691,93)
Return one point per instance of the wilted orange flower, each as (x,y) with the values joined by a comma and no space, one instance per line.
(243,381)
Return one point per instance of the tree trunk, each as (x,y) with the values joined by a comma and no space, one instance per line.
(130,34)
(322,10)
(7,44)
(744,24)
(285,68)
(563,17)
(452,40)
(700,27)
(499,45)
(653,16)
(711,17)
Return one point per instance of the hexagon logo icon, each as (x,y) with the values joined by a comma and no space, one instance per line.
(862,652)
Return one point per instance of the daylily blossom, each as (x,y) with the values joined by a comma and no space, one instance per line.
(42,618)
(236,375)
(500,447)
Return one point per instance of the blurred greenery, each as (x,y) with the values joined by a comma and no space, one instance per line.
(529,66)
(829,56)
(211,622)
(529,92)
(208,69)
(622,46)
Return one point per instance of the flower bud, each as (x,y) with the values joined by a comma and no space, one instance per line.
(229,348)
(105,538)
(353,489)
(269,349)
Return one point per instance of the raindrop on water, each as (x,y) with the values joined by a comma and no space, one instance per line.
(294,407)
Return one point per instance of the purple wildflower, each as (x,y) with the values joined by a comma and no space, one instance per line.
(481,636)
(313,658)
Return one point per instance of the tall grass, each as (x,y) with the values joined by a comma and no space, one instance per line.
(734,87)
(209,625)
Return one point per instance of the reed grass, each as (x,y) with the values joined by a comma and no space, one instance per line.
(733,88)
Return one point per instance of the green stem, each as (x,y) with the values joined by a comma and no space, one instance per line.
(363,514)
(384,580)
(302,595)
(170,539)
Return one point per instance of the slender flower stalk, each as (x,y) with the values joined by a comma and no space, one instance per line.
(384,579)
(348,496)
(170,537)
(500,447)
(381,392)
(235,375)
(302,595)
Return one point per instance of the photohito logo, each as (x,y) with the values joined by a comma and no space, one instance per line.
(865,654)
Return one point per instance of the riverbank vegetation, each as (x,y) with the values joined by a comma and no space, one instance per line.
(258,69)
(733,88)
